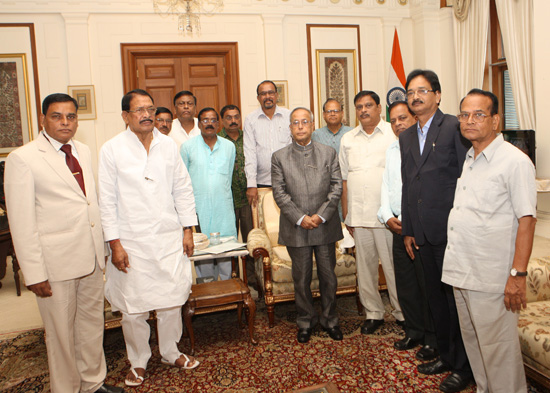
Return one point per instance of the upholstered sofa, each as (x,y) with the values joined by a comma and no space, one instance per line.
(273,264)
(534,322)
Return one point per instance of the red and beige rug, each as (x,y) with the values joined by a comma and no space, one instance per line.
(230,364)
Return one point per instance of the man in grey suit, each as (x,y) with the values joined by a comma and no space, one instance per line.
(307,186)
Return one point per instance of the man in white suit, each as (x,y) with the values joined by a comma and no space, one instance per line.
(56,230)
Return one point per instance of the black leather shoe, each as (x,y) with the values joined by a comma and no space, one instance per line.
(304,335)
(109,389)
(435,367)
(426,353)
(334,332)
(455,383)
(401,324)
(406,343)
(371,325)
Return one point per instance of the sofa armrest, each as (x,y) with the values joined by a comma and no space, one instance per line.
(538,279)
(257,239)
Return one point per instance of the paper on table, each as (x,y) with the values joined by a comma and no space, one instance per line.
(220,248)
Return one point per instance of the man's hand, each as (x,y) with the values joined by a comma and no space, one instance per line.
(316,219)
(119,257)
(308,223)
(252,195)
(188,244)
(409,244)
(41,289)
(350,230)
(395,225)
(515,293)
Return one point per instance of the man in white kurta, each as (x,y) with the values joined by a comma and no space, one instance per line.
(146,198)
(490,236)
(362,162)
(186,125)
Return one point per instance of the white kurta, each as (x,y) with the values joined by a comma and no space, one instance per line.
(145,199)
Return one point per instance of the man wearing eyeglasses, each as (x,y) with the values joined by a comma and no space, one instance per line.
(266,130)
(186,126)
(490,231)
(163,120)
(332,133)
(362,160)
(432,154)
(307,185)
(148,211)
(210,161)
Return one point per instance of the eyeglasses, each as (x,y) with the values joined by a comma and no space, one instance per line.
(142,111)
(229,118)
(478,117)
(304,122)
(267,93)
(181,104)
(420,92)
(167,121)
(208,121)
(333,111)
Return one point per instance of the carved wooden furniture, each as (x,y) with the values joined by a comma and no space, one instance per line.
(6,248)
(273,264)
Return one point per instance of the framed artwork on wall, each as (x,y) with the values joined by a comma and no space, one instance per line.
(282,89)
(15,119)
(337,78)
(85,97)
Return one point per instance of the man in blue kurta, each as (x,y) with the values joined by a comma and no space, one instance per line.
(210,161)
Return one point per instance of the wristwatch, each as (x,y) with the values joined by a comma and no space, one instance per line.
(514,273)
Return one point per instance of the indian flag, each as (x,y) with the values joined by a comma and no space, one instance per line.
(396,77)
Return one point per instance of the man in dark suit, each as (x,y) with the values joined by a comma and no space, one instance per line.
(307,186)
(432,154)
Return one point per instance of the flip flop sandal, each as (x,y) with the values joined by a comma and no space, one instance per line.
(139,378)
(185,365)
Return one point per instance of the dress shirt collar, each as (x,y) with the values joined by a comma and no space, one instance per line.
(490,150)
(360,130)
(309,146)
(56,144)
(424,130)
(277,112)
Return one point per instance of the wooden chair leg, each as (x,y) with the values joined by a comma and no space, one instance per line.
(271,314)
(251,314)
(188,312)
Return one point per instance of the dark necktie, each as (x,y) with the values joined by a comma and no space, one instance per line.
(74,166)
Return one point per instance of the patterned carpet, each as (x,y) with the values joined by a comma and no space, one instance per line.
(230,364)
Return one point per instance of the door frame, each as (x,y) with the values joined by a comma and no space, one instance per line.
(132,51)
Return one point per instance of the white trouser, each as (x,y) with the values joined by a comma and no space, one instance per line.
(213,268)
(137,331)
(375,244)
(490,335)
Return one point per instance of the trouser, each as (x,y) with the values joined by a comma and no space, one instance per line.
(443,308)
(411,292)
(214,268)
(243,216)
(137,332)
(372,245)
(74,325)
(302,271)
(490,334)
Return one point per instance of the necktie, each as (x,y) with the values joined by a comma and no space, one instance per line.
(74,166)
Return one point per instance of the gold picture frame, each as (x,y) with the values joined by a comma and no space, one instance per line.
(16,121)
(282,90)
(337,78)
(85,97)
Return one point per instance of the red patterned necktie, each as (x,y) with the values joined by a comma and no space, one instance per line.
(74,166)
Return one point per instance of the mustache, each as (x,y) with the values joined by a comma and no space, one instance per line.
(418,101)
(233,124)
(144,120)
(209,127)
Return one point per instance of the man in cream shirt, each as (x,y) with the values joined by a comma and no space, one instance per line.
(362,161)
(186,126)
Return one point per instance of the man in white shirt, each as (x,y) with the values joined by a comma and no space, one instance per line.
(266,130)
(147,210)
(490,236)
(362,161)
(409,276)
(186,126)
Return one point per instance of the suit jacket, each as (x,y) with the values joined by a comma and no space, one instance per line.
(56,229)
(429,180)
(307,181)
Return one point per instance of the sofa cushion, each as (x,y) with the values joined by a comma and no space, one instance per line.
(270,215)
(538,280)
(534,335)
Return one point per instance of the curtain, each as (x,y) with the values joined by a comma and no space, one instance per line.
(471,46)
(461,8)
(516,25)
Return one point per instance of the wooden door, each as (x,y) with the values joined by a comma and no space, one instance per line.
(208,70)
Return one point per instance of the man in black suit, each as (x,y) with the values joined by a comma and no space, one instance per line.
(432,154)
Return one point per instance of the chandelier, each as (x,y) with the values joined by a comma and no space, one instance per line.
(188,12)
